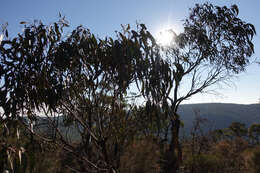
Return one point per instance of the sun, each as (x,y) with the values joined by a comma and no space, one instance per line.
(165,37)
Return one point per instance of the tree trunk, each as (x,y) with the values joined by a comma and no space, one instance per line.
(173,155)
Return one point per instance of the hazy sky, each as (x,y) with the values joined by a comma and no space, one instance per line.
(104,17)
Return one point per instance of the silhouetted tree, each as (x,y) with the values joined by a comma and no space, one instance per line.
(214,45)
(81,77)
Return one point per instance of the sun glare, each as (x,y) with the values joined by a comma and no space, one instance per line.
(165,37)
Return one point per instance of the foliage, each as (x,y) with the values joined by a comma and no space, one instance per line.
(216,152)
(139,158)
(202,163)
(254,133)
(83,78)
(22,152)
(254,162)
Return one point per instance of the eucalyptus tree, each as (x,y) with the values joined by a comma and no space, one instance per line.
(81,77)
(214,46)
(42,71)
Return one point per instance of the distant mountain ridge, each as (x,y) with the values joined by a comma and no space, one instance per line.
(220,115)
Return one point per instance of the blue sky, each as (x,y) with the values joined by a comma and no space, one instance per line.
(104,17)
